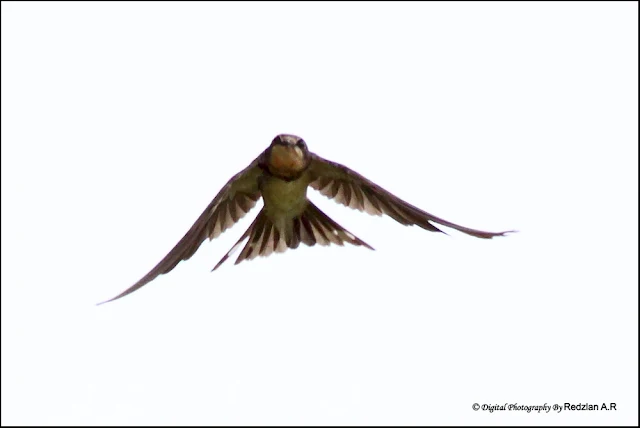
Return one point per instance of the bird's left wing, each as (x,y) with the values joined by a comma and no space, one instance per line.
(349,188)
(236,198)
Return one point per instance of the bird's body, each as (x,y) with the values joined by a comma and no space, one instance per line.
(284,198)
(281,176)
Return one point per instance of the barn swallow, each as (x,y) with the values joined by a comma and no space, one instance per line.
(281,175)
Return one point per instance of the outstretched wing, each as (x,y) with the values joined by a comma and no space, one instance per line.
(349,188)
(236,198)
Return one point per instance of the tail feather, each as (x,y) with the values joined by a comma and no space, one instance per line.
(311,227)
(306,232)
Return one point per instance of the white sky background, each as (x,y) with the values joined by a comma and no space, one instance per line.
(121,121)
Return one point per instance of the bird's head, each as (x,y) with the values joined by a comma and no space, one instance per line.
(288,156)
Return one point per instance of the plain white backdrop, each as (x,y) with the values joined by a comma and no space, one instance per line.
(121,121)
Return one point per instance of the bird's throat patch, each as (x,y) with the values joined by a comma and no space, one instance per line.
(286,161)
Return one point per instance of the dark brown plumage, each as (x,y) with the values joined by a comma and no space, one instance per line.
(281,175)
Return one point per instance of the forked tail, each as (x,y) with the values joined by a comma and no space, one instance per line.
(311,227)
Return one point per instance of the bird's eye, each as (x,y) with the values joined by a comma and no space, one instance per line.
(301,144)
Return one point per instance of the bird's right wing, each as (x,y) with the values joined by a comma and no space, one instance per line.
(236,198)
(349,188)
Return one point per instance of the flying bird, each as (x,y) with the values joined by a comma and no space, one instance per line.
(281,175)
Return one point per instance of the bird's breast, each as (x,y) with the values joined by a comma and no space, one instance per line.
(285,198)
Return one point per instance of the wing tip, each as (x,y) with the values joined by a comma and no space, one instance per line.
(491,235)
(506,232)
(107,301)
